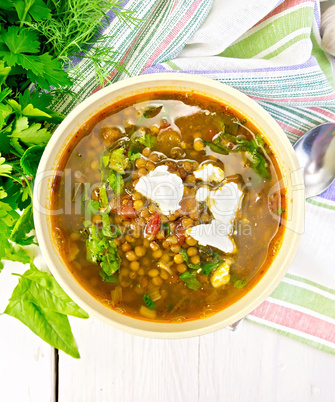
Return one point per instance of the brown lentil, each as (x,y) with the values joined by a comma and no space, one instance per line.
(138,205)
(153,272)
(152,208)
(140,251)
(142,171)
(154,246)
(141,272)
(164,275)
(134,265)
(157,254)
(157,281)
(131,256)
(153,157)
(181,268)
(140,162)
(195,259)
(146,152)
(124,271)
(178,259)
(136,195)
(175,248)
(198,145)
(132,275)
(150,166)
(165,258)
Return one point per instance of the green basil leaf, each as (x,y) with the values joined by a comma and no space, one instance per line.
(106,226)
(183,253)
(105,160)
(53,328)
(240,283)
(42,289)
(42,305)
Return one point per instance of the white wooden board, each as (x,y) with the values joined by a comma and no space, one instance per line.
(27,364)
(252,364)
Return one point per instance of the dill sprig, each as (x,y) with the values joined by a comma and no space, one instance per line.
(72,31)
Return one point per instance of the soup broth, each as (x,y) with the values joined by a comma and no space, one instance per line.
(166,206)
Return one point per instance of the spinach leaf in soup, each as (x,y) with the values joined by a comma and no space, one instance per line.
(116,182)
(102,250)
(155,263)
(210,266)
(253,150)
(190,279)
(118,161)
(152,111)
(147,300)
(108,278)
(183,253)
(148,140)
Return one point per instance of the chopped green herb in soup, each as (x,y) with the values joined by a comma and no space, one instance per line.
(166,206)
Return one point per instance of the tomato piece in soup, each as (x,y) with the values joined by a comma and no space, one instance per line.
(127,210)
(179,231)
(154,224)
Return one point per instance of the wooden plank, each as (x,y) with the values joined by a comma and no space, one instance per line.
(254,364)
(27,364)
(121,367)
(258,364)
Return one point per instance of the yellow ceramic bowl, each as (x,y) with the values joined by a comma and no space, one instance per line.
(229,96)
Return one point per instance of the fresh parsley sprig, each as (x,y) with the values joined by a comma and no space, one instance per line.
(38,40)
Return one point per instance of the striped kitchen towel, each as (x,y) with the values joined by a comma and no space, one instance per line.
(270,50)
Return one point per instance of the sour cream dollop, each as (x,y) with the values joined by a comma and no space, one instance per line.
(162,187)
(209,173)
(215,234)
(223,203)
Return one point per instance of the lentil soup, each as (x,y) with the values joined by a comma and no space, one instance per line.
(167,206)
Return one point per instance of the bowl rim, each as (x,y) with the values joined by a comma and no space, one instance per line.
(140,327)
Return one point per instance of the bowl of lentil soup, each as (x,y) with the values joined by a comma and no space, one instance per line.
(164,205)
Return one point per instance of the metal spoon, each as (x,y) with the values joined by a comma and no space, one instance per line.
(316,154)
